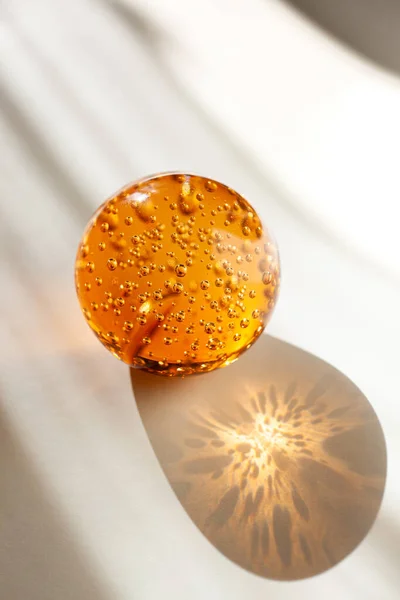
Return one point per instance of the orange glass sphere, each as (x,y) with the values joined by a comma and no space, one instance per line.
(176,274)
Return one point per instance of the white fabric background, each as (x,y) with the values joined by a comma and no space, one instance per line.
(94,94)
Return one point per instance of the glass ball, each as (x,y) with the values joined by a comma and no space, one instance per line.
(176,274)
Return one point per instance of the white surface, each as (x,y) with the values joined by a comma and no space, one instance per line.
(322,123)
(249,94)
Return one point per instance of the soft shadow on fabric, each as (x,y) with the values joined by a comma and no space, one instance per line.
(369,27)
(278,459)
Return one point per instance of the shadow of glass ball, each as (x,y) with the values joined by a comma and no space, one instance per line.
(278,459)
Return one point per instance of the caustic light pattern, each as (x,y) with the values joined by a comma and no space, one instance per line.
(293,484)
(280,462)
(176,274)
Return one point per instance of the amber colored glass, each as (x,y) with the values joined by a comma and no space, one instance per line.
(176,274)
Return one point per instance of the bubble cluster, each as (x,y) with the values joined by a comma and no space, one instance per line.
(176,274)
